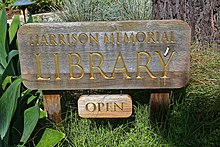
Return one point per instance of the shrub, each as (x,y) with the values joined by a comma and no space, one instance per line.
(97,10)
(42,6)
(7,2)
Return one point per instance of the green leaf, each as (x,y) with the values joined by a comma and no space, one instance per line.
(1,70)
(14,28)
(27,96)
(6,81)
(9,70)
(30,19)
(31,98)
(3,30)
(8,104)
(12,54)
(50,138)
(3,144)
(43,114)
(31,116)
(18,67)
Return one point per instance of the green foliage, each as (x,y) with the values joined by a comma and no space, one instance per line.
(135,131)
(50,138)
(8,104)
(3,31)
(31,116)
(14,28)
(20,110)
(42,6)
(97,10)
(7,3)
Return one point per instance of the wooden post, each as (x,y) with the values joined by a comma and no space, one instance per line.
(53,106)
(159,103)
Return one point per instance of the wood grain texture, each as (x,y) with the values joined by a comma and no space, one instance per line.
(52,106)
(159,103)
(63,39)
(105,106)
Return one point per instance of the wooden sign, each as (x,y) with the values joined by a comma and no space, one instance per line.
(148,54)
(105,106)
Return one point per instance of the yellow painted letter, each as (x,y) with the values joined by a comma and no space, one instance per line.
(123,68)
(92,66)
(39,75)
(57,66)
(71,65)
(143,66)
(164,65)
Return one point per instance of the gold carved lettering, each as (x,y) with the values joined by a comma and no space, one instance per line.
(122,68)
(164,38)
(92,66)
(150,36)
(143,66)
(57,66)
(94,39)
(37,40)
(158,37)
(127,40)
(81,40)
(143,36)
(77,65)
(74,39)
(31,41)
(119,37)
(61,39)
(164,65)
(107,40)
(172,37)
(38,67)
(52,38)
(68,39)
(44,40)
